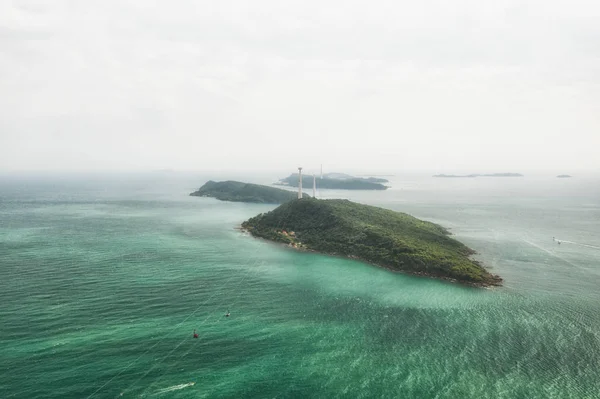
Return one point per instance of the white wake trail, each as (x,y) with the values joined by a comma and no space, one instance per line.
(552,254)
(578,243)
(174,388)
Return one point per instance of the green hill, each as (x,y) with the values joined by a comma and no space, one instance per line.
(345,176)
(390,239)
(352,183)
(245,192)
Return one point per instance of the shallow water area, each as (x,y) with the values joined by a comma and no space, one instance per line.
(104,278)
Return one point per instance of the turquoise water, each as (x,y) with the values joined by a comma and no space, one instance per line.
(103,280)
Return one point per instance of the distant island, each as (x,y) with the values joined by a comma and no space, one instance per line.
(393,240)
(484,175)
(340,181)
(564,176)
(344,176)
(245,192)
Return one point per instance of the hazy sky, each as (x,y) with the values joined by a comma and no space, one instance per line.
(393,85)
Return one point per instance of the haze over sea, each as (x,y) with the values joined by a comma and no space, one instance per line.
(103,279)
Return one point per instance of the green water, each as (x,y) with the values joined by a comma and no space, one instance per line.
(103,280)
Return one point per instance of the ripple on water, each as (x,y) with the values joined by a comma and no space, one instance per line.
(103,298)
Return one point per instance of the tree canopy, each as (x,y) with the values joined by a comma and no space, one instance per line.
(245,192)
(352,183)
(391,239)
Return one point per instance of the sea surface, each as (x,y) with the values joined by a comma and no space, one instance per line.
(103,279)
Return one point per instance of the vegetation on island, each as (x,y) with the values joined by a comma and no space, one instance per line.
(564,176)
(390,239)
(351,183)
(483,175)
(344,176)
(376,179)
(245,192)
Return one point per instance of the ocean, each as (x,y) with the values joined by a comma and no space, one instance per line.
(104,278)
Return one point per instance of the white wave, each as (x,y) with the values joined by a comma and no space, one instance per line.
(174,388)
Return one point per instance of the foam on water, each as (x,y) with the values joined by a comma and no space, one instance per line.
(174,388)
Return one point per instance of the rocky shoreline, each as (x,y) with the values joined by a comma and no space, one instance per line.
(497,280)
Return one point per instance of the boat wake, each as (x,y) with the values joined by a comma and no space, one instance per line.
(553,254)
(173,388)
(581,245)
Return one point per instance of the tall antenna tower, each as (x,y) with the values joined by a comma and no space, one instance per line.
(299,182)
(314,186)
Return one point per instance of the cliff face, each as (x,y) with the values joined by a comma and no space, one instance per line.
(245,192)
(390,239)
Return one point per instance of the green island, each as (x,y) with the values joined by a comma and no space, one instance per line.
(345,176)
(245,192)
(386,238)
(333,181)
(564,176)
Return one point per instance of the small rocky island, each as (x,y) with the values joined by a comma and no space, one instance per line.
(393,240)
(339,181)
(563,176)
(245,192)
(484,175)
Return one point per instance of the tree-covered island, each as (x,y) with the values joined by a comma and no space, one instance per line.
(245,192)
(393,240)
(333,181)
(345,176)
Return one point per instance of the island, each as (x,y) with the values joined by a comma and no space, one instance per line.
(483,175)
(564,176)
(338,181)
(344,176)
(245,192)
(386,238)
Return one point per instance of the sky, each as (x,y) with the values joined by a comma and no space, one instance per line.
(378,85)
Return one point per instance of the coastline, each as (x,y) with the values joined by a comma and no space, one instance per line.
(497,278)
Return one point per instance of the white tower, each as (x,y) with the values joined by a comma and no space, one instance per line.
(314,186)
(299,182)
(321,171)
